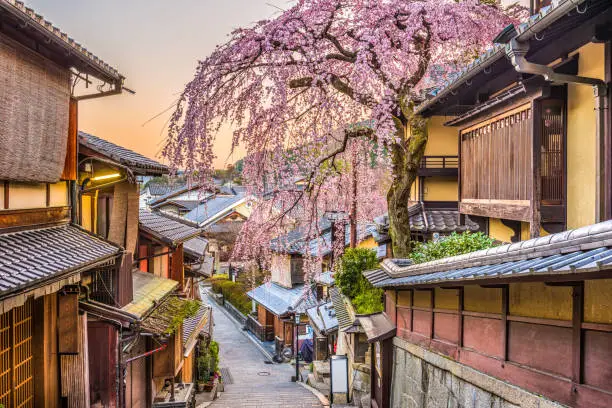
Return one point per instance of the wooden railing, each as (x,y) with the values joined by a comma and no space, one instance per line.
(263,333)
(439,166)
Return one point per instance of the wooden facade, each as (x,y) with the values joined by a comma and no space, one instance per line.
(537,336)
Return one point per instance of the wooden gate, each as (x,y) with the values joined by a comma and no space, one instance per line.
(16,382)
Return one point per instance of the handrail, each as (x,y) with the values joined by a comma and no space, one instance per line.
(439,162)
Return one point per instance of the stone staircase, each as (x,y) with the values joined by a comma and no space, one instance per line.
(319,378)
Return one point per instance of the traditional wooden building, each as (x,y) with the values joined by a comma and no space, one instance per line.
(520,324)
(540,94)
(135,347)
(45,255)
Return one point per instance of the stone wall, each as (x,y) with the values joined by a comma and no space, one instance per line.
(423,379)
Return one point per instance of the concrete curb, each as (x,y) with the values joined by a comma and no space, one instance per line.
(322,398)
(240,327)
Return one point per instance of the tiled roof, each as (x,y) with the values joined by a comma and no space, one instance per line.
(323,317)
(214,207)
(148,291)
(161,320)
(427,220)
(196,247)
(55,35)
(166,229)
(160,189)
(129,158)
(278,299)
(534,25)
(583,250)
(193,326)
(34,256)
(376,326)
(325,278)
(345,319)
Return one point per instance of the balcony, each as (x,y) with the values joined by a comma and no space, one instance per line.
(263,333)
(439,166)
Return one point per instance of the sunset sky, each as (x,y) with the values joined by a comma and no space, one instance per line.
(156,44)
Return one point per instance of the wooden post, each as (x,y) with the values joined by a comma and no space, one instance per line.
(505,310)
(6,194)
(608,138)
(460,294)
(577,314)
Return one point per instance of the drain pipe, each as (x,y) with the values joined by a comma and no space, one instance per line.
(516,51)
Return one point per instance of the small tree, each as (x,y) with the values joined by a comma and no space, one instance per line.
(454,244)
(349,278)
(353,263)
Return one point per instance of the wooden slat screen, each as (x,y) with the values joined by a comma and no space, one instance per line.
(496,158)
(552,152)
(16,373)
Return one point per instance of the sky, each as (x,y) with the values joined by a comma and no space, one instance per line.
(155,44)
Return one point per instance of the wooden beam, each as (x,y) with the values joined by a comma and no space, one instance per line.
(577,315)
(496,210)
(504,317)
(12,219)
(460,293)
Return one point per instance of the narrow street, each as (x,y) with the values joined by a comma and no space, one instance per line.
(253,382)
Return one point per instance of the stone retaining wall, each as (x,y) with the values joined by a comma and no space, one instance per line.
(423,379)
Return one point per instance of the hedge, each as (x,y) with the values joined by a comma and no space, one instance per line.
(233,292)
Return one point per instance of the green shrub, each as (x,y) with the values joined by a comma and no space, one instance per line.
(349,278)
(233,292)
(208,360)
(454,244)
(369,301)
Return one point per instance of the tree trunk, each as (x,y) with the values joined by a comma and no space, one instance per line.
(406,157)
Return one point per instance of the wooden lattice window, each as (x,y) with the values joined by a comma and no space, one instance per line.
(16,372)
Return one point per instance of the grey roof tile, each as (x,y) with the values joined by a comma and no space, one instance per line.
(557,254)
(166,229)
(342,313)
(129,158)
(31,256)
(278,299)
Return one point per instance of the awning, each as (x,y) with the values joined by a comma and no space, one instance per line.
(377,326)
(163,319)
(278,299)
(323,318)
(40,261)
(343,315)
(194,326)
(149,290)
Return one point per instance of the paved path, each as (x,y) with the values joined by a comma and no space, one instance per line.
(255,383)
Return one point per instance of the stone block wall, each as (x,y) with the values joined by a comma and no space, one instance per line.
(423,379)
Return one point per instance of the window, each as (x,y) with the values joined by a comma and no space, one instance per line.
(16,371)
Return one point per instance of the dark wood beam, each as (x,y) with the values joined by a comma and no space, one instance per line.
(506,211)
(504,316)
(577,315)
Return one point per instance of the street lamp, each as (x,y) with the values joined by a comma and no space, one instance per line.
(297,352)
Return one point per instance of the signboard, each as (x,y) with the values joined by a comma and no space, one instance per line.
(339,374)
(381,251)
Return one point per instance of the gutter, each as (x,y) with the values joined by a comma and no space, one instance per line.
(556,13)
(516,51)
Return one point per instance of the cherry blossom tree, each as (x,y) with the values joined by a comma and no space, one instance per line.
(322,88)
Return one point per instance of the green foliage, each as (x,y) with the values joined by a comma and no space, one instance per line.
(369,301)
(233,292)
(454,244)
(349,278)
(188,309)
(353,263)
(208,360)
